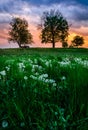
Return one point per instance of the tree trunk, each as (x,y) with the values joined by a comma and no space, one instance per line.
(19,45)
(53,43)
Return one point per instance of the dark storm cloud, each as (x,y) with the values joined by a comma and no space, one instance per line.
(15,6)
(75,11)
(80,13)
(50,2)
(10,8)
(42,2)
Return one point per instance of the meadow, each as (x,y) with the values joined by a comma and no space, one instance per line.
(44,89)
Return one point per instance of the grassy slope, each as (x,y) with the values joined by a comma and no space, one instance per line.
(46,51)
(75,80)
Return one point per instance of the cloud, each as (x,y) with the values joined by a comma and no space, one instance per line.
(75,11)
(72,10)
(80,13)
(48,2)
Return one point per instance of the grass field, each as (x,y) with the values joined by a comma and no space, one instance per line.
(44,89)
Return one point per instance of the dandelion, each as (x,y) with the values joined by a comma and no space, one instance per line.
(63,78)
(65,63)
(56,113)
(33,70)
(46,81)
(54,84)
(40,67)
(5,124)
(36,73)
(3,73)
(25,77)
(33,77)
(21,66)
(29,60)
(52,81)
(45,75)
(47,63)
(35,61)
(7,68)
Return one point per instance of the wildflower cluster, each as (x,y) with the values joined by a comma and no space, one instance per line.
(40,92)
(79,61)
(44,78)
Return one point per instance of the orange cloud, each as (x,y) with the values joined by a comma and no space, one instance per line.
(82,31)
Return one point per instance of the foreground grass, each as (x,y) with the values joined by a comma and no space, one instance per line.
(44,89)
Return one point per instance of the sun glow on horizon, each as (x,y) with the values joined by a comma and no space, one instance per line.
(32,12)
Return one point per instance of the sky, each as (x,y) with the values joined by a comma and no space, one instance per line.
(75,12)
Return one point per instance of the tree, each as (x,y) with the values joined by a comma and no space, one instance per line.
(64,44)
(19,32)
(77,41)
(54,27)
(71,46)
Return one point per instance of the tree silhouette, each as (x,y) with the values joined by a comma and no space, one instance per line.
(19,32)
(64,44)
(54,27)
(77,41)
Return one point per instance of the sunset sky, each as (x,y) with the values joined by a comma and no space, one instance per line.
(75,12)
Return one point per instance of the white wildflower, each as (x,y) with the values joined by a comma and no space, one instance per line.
(54,84)
(5,124)
(29,60)
(63,78)
(25,77)
(40,67)
(33,77)
(45,75)
(84,63)
(7,68)
(64,63)
(3,73)
(46,81)
(78,60)
(36,73)
(33,70)
(35,61)
(52,81)
(47,63)
(21,66)
(56,113)
(40,77)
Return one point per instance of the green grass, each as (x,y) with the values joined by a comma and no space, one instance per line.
(45,51)
(44,89)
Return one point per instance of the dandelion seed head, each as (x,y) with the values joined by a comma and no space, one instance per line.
(25,77)
(7,68)
(21,65)
(3,73)
(5,124)
(45,75)
(56,113)
(54,84)
(63,78)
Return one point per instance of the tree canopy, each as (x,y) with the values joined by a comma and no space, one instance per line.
(19,32)
(64,44)
(77,41)
(54,27)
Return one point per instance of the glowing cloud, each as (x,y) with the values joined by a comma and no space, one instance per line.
(75,11)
